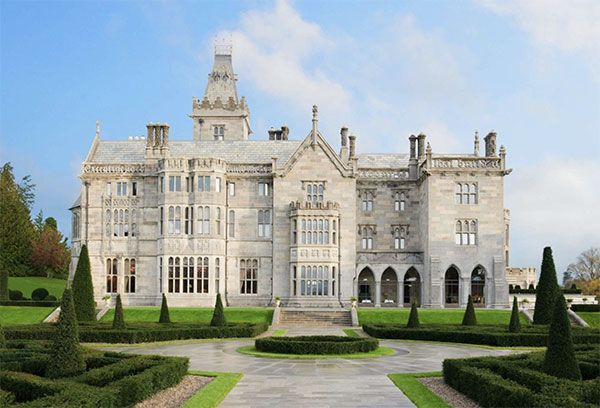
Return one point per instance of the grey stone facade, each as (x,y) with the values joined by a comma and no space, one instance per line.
(294,219)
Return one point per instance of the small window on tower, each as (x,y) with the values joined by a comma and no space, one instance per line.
(219,132)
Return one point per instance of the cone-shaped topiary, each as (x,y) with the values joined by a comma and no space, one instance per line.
(547,290)
(118,319)
(83,289)
(218,318)
(469,318)
(515,325)
(413,317)
(560,360)
(67,359)
(2,338)
(164,311)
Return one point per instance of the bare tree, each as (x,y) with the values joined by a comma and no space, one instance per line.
(587,266)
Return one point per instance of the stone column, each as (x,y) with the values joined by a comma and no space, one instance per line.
(400,292)
(464,290)
(377,293)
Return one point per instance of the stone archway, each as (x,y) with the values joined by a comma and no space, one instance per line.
(451,287)
(366,287)
(389,288)
(478,286)
(412,287)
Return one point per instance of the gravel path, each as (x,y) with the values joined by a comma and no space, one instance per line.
(450,395)
(177,395)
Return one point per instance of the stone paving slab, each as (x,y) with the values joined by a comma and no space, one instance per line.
(315,383)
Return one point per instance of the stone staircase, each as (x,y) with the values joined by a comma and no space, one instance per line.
(314,317)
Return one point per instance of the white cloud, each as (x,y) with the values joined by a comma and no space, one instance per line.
(553,203)
(568,26)
(272,48)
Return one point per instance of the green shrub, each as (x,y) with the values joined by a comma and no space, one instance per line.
(102,376)
(50,298)
(118,319)
(39,294)
(2,338)
(6,398)
(316,344)
(546,291)
(560,360)
(218,318)
(585,308)
(83,289)
(41,303)
(413,318)
(67,359)
(515,324)
(164,311)
(469,318)
(15,295)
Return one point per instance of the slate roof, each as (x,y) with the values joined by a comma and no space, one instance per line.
(232,151)
(383,160)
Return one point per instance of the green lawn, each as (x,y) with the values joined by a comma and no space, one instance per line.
(591,318)
(211,395)
(433,316)
(28,284)
(252,351)
(10,315)
(351,333)
(194,314)
(419,394)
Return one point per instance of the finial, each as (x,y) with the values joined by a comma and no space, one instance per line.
(97,128)
(476,144)
(315,120)
(428,150)
(315,112)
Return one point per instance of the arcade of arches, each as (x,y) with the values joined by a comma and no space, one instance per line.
(390,291)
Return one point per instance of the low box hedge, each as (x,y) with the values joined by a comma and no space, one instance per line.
(316,345)
(516,381)
(37,303)
(488,335)
(138,333)
(585,308)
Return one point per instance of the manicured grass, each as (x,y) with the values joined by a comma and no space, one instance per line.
(419,394)
(13,315)
(351,333)
(591,318)
(28,284)
(194,314)
(433,316)
(211,395)
(251,350)
(279,332)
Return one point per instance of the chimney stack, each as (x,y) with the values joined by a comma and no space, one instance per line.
(421,145)
(476,146)
(352,146)
(344,142)
(490,144)
(413,146)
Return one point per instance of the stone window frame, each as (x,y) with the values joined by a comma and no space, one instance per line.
(312,278)
(129,275)
(315,190)
(121,187)
(174,184)
(466,232)
(203,215)
(466,193)
(367,196)
(264,219)
(366,232)
(231,224)
(112,275)
(188,275)
(188,224)
(400,198)
(264,189)
(204,184)
(219,132)
(315,230)
(400,233)
(249,269)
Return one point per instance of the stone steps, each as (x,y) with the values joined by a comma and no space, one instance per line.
(315,318)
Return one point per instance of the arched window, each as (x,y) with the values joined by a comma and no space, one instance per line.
(171,228)
(399,201)
(186,275)
(218,221)
(202,275)
(126,224)
(399,238)
(264,223)
(133,231)
(294,231)
(367,238)
(121,218)
(130,276)
(116,223)
(171,273)
(326,232)
(217,274)
(451,282)
(303,224)
(478,285)
(177,220)
(367,201)
(465,193)
(111,275)
(231,224)
(466,232)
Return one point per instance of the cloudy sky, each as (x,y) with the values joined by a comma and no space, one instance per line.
(528,69)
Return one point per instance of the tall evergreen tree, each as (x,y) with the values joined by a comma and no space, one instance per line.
(83,289)
(164,311)
(16,229)
(515,324)
(469,318)
(413,317)
(218,318)
(118,319)
(560,360)
(547,290)
(67,358)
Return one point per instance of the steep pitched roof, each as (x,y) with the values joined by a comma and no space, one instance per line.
(221,81)
(383,160)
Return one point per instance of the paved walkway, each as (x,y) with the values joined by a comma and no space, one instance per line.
(315,383)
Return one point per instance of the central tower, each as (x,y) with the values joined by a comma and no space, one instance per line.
(220,115)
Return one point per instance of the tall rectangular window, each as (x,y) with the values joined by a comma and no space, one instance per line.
(219,132)
(161,221)
(130,275)
(367,201)
(263,189)
(189,184)
(218,221)
(217,274)
(218,184)
(202,275)
(264,223)
(249,276)
(108,189)
(111,275)
(399,201)
(134,189)
(231,189)
(231,224)
(161,184)
(174,183)
(121,188)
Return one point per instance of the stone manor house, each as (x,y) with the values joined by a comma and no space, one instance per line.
(294,219)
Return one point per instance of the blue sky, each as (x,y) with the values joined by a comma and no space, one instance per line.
(528,69)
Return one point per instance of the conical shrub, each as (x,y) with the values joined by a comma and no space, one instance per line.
(67,358)
(413,317)
(218,318)
(546,291)
(560,360)
(83,289)
(118,319)
(515,324)
(164,311)
(469,318)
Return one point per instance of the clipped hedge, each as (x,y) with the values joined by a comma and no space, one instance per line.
(316,345)
(585,308)
(516,381)
(138,333)
(38,303)
(488,335)
(565,291)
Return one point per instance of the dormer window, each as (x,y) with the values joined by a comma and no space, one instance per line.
(219,132)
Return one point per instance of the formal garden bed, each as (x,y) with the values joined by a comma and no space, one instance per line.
(107,379)
(316,345)
(520,381)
